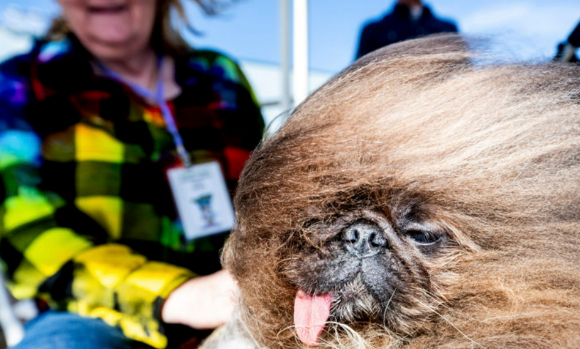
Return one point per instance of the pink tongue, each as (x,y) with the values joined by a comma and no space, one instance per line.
(310,315)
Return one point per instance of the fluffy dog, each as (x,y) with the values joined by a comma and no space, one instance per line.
(423,198)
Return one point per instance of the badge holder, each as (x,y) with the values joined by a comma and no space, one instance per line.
(202,199)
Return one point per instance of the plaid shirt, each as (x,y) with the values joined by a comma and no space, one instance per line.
(87,220)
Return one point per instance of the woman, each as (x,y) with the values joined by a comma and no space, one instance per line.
(91,121)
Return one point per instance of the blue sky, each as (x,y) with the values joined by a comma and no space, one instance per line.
(248,30)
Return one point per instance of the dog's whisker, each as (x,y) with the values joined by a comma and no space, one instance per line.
(387,307)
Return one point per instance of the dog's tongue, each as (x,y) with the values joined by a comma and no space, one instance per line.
(310,315)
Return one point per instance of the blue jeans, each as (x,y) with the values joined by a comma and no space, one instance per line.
(62,330)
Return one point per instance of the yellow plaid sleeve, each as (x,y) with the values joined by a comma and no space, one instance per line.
(125,290)
(58,251)
(108,281)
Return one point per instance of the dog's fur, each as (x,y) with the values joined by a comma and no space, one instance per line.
(471,171)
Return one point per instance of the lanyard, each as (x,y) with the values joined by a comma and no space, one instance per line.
(158,97)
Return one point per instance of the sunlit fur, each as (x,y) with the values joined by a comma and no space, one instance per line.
(491,151)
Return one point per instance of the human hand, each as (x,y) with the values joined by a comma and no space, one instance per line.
(205,302)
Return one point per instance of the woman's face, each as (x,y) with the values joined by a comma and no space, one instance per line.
(111,29)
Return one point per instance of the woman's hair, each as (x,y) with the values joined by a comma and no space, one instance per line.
(165,37)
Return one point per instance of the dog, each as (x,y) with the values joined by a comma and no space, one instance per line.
(425,197)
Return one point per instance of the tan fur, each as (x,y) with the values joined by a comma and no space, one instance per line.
(491,149)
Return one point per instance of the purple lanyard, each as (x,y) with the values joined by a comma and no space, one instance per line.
(158,97)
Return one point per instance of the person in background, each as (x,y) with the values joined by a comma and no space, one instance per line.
(91,121)
(566,51)
(409,19)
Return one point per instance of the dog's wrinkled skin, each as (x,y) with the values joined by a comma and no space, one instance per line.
(434,197)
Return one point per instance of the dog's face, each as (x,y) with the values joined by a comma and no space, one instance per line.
(368,265)
(416,200)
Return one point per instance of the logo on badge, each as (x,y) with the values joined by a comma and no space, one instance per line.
(204,204)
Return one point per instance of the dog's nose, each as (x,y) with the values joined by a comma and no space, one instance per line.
(364,239)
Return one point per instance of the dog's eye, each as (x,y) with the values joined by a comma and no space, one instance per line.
(422,237)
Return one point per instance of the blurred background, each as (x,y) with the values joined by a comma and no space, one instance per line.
(252,31)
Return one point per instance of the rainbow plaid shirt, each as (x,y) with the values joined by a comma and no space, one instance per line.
(87,221)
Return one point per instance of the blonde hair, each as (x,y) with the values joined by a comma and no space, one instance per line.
(165,38)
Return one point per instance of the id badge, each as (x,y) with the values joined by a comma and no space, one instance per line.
(202,199)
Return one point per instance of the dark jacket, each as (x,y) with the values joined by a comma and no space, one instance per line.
(398,25)
(574,38)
